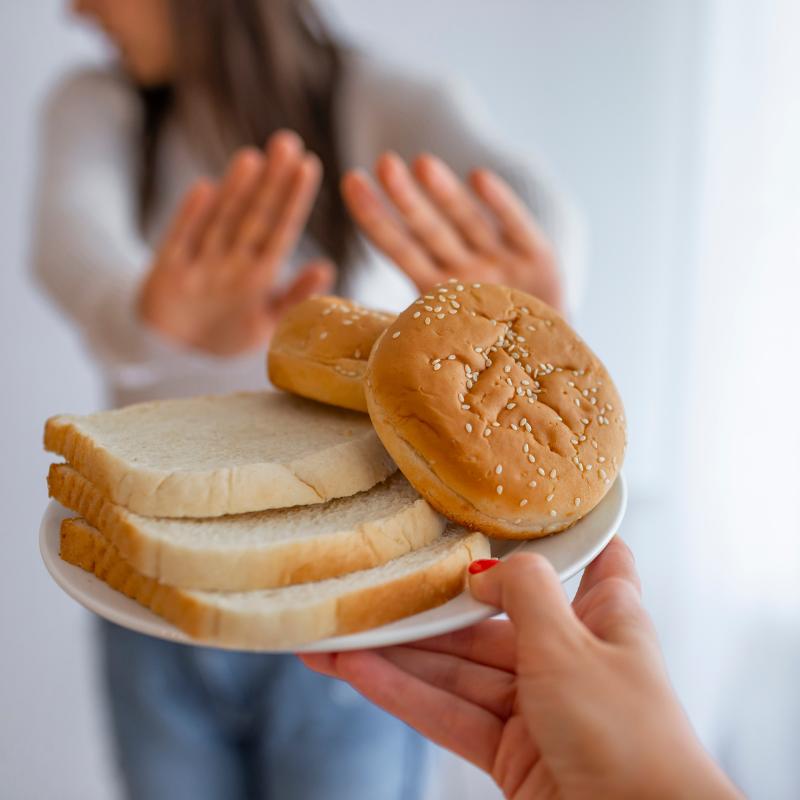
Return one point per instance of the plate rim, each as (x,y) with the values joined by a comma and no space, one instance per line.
(382,636)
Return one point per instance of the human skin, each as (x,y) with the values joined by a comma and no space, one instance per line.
(557,701)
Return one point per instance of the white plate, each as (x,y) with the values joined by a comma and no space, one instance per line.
(568,552)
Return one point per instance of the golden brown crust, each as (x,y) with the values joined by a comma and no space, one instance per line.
(229,569)
(495,410)
(320,350)
(198,616)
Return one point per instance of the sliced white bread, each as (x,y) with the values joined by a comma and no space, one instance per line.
(230,454)
(293,615)
(262,549)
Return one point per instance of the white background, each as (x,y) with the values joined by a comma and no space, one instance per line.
(672,123)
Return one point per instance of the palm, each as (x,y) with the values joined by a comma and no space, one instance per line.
(213,283)
(434,227)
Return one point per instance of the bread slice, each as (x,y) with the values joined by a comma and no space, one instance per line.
(262,549)
(230,454)
(293,615)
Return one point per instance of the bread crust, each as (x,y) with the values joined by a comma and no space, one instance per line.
(246,567)
(495,410)
(356,460)
(320,350)
(209,619)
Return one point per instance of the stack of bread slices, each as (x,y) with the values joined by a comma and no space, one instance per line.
(252,521)
(268,520)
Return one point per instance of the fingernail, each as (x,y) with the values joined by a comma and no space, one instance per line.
(482,564)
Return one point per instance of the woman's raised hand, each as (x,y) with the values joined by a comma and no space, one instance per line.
(212,286)
(556,701)
(435,227)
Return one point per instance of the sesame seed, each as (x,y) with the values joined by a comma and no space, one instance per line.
(553,512)
(495,424)
(437,308)
(574,441)
(602,473)
(509,406)
(523,502)
(347,322)
(514,427)
(396,335)
(526,447)
(465,406)
(436,366)
(487,431)
(323,335)
(499,489)
(460,287)
(601,459)
(476,286)
(427,320)
(588,467)
(577,402)
(468,426)
(478,349)
(417,314)
(326,312)
(507,368)
(541,471)
(451,357)
(577,501)
(532,458)
(429,308)
(549,497)
(499,469)
(440,316)
(553,473)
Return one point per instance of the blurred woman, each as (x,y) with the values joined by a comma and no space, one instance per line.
(174,239)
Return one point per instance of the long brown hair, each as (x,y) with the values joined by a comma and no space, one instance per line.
(244,69)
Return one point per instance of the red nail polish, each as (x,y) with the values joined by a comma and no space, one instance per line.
(482,564)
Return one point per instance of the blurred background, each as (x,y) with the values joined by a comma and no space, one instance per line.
(674,127)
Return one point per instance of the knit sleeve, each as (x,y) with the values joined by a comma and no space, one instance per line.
(87,251)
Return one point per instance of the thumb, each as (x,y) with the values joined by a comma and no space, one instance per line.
(316,277)
(528,589)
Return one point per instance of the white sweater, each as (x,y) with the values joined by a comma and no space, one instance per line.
(90,255)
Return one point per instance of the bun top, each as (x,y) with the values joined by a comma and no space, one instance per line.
(330,329)
(502,403)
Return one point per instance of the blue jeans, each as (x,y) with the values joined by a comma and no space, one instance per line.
(205,724)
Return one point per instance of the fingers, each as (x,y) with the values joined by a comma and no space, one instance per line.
(490,643)
(616,560)
(489,688)
(527,588)
(608,601)
(467,729)
(189,224)
(517,223)
(422,217)
(317,277)
(291,217)
(457,203)
(385,231)
(284,154)
(233,199)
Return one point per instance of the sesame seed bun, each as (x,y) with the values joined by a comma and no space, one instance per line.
(495,410)
(320,350)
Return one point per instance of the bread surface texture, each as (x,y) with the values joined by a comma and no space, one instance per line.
(226,454)
(293,615)
(496,410)
(261,549)
(320,350)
